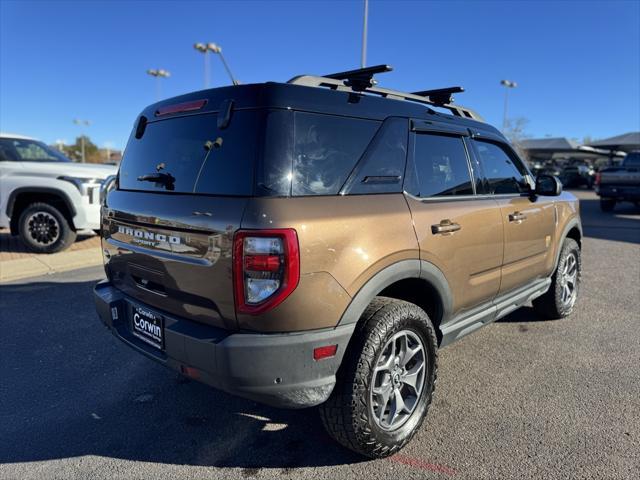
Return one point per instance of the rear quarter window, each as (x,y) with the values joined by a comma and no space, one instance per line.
(326,149)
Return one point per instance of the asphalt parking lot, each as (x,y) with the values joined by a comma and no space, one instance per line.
(522,398)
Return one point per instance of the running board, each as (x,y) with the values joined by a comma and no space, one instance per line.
(489,312)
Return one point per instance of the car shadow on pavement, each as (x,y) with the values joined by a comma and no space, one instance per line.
(71,389)
(12,244)
(621,225)
(524,314)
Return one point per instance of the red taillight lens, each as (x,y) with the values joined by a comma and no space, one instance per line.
(262,263)
(598,178)
(266,268)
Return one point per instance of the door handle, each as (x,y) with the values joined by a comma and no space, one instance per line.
(445,226)
(517,217)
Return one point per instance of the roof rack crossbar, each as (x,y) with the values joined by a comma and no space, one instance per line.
(361,78)
(440,96)
(436,98)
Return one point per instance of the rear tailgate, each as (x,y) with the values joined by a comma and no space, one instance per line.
(168,227)
(166,254)
(620,176)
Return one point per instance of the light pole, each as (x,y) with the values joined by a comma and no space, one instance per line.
(205,48)
(158,73)
(202,48)
(86,123)
(507,84)
(363,58)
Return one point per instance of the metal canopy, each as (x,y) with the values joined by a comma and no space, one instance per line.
(625,142)
(557,144)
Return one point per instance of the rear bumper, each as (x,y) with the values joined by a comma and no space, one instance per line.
(276,369)
(620,192)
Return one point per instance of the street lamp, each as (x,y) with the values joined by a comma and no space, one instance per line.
(85,123)
(158,73)
(507,84)
(205,48)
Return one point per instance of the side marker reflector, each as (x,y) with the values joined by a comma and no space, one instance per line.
(327,351)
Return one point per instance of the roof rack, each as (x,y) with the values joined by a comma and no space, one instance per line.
(361,80)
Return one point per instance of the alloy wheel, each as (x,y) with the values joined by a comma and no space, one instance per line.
(398,380)
(43,227)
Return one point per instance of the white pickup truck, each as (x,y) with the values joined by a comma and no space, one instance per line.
(45,198)
(620,183)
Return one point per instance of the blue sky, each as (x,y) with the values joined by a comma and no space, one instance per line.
(577,63)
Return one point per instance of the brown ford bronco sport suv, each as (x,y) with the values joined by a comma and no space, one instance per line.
(316,243)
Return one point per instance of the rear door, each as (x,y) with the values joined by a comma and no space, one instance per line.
(168,227)
(529,221)
(458,231)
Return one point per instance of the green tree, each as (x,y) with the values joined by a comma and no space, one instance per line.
(74,151)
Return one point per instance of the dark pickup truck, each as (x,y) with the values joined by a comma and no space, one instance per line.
(620,183)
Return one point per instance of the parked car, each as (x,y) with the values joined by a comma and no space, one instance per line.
(317,242)
(45,198)
(573,176)
(619,183)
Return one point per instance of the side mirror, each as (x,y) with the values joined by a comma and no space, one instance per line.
(548,186)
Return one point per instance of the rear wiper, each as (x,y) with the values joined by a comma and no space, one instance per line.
(165,179)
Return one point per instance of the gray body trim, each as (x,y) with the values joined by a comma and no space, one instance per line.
(485,313)
(573,223)
(276,369)
(402,270)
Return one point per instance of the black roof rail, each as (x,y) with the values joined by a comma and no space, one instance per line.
(361,80)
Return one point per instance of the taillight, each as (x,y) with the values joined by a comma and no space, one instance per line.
(266,268)
(598,178)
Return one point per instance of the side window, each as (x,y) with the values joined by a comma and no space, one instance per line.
(381,169)
(8,152)
(440,166)
(502,172)
(326,148)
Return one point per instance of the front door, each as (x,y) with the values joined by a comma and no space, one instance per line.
(458,231)
(529,221)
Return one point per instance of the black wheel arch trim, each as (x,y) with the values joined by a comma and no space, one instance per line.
(54,191)
(402,270)
(571,224)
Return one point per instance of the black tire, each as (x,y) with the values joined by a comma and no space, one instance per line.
(551,305)
(607,204)
(348,414)
(44,229)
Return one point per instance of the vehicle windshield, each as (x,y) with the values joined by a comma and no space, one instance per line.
(22,150)
(632,160)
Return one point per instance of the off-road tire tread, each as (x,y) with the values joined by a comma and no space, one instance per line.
(549,305)
(67,234)
(344,414)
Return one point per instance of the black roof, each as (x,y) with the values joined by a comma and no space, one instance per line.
(313,99)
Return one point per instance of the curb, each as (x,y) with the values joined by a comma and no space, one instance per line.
(36,265)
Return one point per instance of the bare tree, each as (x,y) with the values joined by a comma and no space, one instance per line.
(515,131)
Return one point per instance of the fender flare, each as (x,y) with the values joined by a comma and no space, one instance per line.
(404,269)
(54,191)
(572,223)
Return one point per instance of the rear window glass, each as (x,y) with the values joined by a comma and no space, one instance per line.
(441,166)
(632,160)
(191,155)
